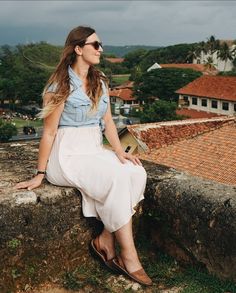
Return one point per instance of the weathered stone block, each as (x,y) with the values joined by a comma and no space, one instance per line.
(193,219)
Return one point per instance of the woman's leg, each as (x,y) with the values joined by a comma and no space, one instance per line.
(107,243)
(129,255)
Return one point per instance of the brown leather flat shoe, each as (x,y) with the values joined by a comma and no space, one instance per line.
(101,254)
(139,276)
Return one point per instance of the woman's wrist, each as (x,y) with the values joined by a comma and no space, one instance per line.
(119,150)
(40,176)
(40,173)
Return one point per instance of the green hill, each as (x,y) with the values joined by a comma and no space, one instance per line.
(121,51)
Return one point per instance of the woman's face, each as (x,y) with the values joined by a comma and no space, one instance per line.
(89,53)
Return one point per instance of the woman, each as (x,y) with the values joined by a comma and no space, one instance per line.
(76,111)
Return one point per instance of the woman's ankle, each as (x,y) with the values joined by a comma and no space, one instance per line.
(131,260)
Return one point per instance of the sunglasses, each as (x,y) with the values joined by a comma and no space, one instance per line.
(95,44)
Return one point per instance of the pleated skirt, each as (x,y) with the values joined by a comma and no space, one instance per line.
(110,190)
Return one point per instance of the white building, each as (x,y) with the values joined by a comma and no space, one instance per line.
(219,64)
(212,94)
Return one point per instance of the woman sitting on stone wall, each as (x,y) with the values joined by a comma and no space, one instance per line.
(76,111)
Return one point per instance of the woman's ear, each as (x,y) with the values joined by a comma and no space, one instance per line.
(78,50)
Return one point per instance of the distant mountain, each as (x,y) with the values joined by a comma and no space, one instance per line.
(121,51)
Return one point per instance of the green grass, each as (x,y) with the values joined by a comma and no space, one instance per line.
(119,79)
(81,277)
(165,270)
(21,123)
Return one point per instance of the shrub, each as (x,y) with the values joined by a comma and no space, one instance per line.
(7,130)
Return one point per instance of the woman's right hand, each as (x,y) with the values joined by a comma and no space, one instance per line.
(30,184)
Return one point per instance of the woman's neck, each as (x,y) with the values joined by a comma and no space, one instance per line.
(81,70)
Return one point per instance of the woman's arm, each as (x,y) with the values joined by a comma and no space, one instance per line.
(113,138)
(50,126)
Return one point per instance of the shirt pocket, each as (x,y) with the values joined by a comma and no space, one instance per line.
(77,110)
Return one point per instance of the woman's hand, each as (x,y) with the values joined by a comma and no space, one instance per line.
(122,155)
(30,184)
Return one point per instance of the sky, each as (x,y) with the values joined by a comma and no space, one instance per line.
(157,23)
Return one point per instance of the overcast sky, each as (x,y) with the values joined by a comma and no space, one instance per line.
(118,22)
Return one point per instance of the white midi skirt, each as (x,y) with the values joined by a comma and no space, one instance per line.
(110,190)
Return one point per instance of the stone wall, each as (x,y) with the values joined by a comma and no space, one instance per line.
(193,219)
(43,231)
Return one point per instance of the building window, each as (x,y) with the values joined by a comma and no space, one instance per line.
(198,61)
(194,101)
(214,104)
(128,149)
(225,106)
(234,107)
(186,100)
(204,102)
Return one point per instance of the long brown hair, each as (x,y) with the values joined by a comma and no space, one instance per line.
(60,78)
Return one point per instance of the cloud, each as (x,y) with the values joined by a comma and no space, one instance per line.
(118,22)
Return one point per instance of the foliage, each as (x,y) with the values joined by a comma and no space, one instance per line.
(165,270)
(159,111)
(134,57)
(121,51)
(14,243)
(42,53)
(170,54)
(109,68)
(7,130)
(227,73)
(21,78)
(162,83)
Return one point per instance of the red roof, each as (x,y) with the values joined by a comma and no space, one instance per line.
(192,113)
(198,67)
(127,84)
(209,155)
(115,60)
(125,94)
(217,87)
(159,134)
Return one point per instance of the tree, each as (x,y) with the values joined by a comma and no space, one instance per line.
(162,83)
(134,57)
(21,78)
(7,130)
(209,63)
(159,111)
(225,53)
(212,44)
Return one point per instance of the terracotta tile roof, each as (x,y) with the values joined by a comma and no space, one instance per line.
(115,60)
(218,87)
(209,155)
(198,67)
(157,135)
(192,113)
(127,84)
(125,94)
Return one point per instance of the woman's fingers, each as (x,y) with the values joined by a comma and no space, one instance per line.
(31,184)
(122,159)
(21,185)
(133,159)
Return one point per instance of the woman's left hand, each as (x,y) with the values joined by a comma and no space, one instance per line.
(122,156)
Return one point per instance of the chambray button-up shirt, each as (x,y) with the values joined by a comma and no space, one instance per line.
(77,111)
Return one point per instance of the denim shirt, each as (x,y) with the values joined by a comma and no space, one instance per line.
(77,110)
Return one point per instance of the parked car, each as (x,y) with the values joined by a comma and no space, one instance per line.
(29,130)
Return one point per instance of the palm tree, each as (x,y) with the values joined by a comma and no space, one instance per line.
(195,54)
(192,54)
(212,44)
(209,63)
(225,53)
